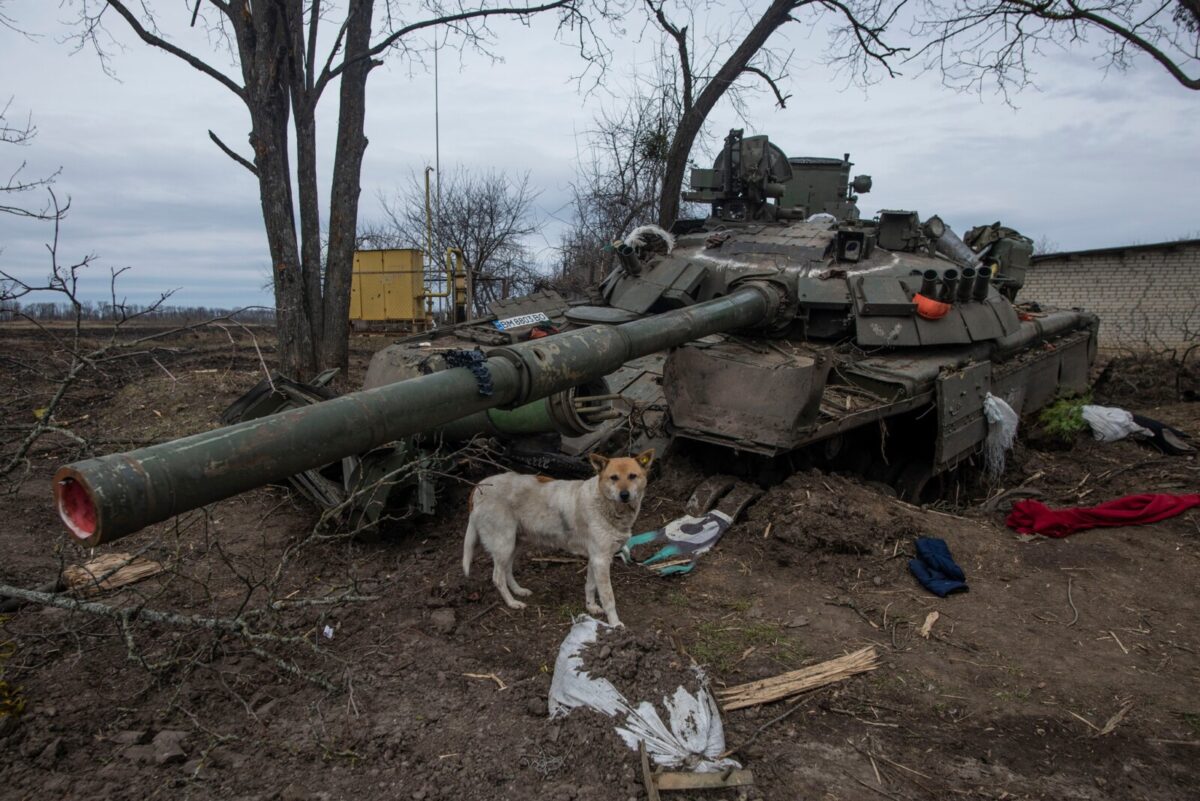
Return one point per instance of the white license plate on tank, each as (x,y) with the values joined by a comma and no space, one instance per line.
(521,320)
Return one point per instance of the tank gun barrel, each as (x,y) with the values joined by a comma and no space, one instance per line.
(108,497)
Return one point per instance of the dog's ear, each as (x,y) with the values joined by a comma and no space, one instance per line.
(599,461)
(645,458)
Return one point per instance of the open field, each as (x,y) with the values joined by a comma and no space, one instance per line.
(1071,670)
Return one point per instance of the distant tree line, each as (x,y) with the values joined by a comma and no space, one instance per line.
(103,311)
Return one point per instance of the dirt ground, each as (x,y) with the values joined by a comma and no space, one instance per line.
(1070,670)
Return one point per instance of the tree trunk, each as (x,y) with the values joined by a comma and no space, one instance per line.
(310,216)
(693,118)
(261,47)
(347,172)
(677,162)
(304,113)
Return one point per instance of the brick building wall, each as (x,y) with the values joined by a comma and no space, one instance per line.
(1147,296)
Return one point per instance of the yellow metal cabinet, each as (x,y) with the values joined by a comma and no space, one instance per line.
(388,285)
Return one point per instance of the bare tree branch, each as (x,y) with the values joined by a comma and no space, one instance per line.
(445,20)
(229,152)
(972,42)
(155,40)
(21,135)
(780,98)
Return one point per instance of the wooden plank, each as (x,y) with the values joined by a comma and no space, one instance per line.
(647,776)
(108,571)
(703,781)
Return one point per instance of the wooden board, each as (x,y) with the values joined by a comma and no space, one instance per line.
(703,781)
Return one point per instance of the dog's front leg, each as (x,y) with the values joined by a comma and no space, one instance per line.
(589,591)
(599,572)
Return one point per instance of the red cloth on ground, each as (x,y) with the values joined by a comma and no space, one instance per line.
(1033,517)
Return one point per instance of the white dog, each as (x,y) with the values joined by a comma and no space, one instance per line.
(591,518)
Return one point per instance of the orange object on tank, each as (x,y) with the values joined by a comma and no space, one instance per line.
(929,308)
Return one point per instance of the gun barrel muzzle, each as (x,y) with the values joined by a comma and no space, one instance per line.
(629,259)
(929,281)
(965,284)
(983,279)
(949,286)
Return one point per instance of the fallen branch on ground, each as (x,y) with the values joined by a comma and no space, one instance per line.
(125,616)
(797,705)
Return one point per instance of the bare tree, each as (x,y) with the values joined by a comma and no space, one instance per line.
(1045,244)
(707,70)
(283,73)
(618,183)
(21,134)
(486,215)
(977,42)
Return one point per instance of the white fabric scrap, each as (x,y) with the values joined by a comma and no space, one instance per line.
(1110,424)
(637,237)
(694,737)
(1002,431)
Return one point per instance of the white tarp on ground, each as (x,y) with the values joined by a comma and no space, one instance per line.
(1110,424)
(692,738)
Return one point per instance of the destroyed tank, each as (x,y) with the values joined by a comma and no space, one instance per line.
(781,332)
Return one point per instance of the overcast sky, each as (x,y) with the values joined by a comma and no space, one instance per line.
(1086,160)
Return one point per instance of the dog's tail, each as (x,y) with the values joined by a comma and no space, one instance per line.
(469,546)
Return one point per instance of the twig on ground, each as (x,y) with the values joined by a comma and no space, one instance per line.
(895,764)
(993,504)
(879,790)
(1071,601)
(500,685)
(479,614)
(1116,719)
(165,370)
(928,509)
(1090,725)
(797,705)
(862,720)
(849,604)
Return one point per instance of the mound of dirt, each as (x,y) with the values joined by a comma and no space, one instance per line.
(643,665)
(817,511)
(1139,381)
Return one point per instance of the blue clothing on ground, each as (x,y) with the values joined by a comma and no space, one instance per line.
(936,569)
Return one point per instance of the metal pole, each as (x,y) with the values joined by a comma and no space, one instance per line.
(437,161)
(437,158)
